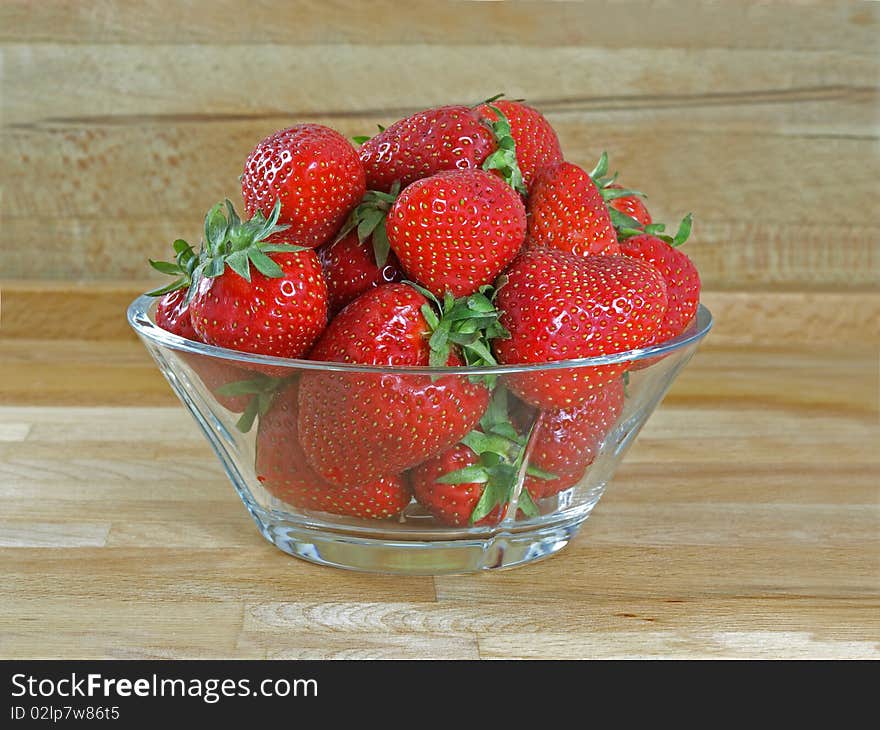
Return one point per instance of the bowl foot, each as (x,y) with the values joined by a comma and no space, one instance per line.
(418,557)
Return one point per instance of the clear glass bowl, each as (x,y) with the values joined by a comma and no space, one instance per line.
(415,542)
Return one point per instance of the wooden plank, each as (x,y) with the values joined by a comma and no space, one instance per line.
(94,314)
(311,645)
(119,82)
(60,534)
(659,573)
(262,573)
(749,231)
(732,530)
(835,380)
(769,644)
(127,629)
(455,618)
(71,372)
(686,24)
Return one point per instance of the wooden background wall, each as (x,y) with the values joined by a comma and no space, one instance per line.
(122,122)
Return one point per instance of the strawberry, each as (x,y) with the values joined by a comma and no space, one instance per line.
(678,271)
(537,145)
(560,306)
(451,485)
(350,269)
(456,231)
(422,144)
(473,482)
(356,427)
(567,212)
(630,205)
(626,208)
(282,469)
(172,314)
(278,309)
(360,257)
(232,387)
(565,442)
(451,138)
(316,175)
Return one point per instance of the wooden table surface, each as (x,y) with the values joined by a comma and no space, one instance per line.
(745,522)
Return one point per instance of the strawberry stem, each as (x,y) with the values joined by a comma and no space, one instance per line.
(468,324)
(262,388)
(501,451)
(228,241)
(369,218)
(503,158)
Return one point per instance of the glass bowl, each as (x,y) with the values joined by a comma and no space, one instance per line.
(556,478)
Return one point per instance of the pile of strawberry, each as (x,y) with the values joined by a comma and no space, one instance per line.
(458,236)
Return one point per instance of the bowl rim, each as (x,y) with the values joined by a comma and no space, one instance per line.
(139,317)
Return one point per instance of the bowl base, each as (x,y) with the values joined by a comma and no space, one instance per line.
(435,557)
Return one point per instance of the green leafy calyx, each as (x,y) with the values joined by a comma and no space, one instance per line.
(604,182)
(467,324)
(503,158)
(228,241)
(183,267)
(238,244)
(501,451)
(261,388)
(658,231)
(369,218)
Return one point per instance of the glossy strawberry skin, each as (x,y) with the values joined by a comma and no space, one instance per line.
(456,231)
(350,269)
(631,205)
(280,316)
(537,145)
(680,276)
(314,171)
(450,504)
(282,469)
(173,315)
(561,306)
(358,426)
(565,442)
(567,212)
(422,144)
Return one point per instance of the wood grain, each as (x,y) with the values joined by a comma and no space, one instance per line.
(745,520)
(674,562)
(84,311)
(738,25)
(91,226)
(753,132)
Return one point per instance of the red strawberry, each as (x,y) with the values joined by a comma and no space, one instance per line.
(679,274)
(451,504)
(456,231)
(316,175)
(282,469)
(172,314)
(473,482)
(560,306)
(565,442)
(631,205)
(358,426)
(537,145)
(350,269)
(443,138)
(626,208)
(567,212)
(360,258)
(278,309)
